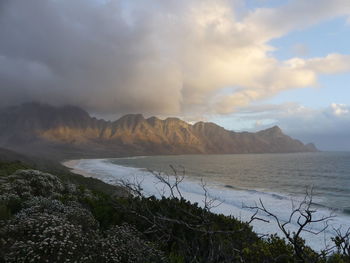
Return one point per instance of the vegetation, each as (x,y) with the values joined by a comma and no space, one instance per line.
(11,161)
(49,218)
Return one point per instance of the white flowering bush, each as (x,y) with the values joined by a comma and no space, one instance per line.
(45,237)
(72,211)
(25,184)
(123,243)
(51,225)
(28,183)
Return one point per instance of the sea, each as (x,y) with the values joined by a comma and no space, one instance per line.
(237,182)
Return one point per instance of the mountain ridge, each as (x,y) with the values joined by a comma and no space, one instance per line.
(69,131)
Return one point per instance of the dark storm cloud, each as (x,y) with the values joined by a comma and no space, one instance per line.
(78,52)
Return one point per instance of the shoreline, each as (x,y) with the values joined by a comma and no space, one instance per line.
(231,205)
(72,166)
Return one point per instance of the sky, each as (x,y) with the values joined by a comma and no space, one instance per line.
(246,65)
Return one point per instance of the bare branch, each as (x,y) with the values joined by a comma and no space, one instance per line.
(303,216)
(209,202)
(135,187)
(342,241)
(170,182)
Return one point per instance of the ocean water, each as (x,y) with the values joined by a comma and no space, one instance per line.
(237,181)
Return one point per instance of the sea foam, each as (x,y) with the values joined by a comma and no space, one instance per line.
(232,200)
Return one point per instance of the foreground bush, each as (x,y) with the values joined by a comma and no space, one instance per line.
(46,229)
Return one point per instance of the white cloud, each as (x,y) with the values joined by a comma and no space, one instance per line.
(156,57)
(331,64)
(327,127)
(269,23)
(339,109)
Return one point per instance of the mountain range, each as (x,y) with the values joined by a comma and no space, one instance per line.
(70,132)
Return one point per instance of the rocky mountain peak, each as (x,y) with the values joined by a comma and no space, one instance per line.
(130,120)
(73,129)
(132,117)
(273,131)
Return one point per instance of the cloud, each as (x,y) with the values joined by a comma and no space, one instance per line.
(183,57)
(269,23)
(327,127)
(331,64)
(340,109)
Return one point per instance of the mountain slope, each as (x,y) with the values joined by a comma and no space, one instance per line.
(69,131)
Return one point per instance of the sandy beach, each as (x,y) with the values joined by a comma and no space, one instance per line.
(72,165)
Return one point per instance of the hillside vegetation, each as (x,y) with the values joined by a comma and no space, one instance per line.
(55,218)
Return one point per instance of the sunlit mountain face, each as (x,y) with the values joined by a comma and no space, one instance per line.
(70,131)
(245,65)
